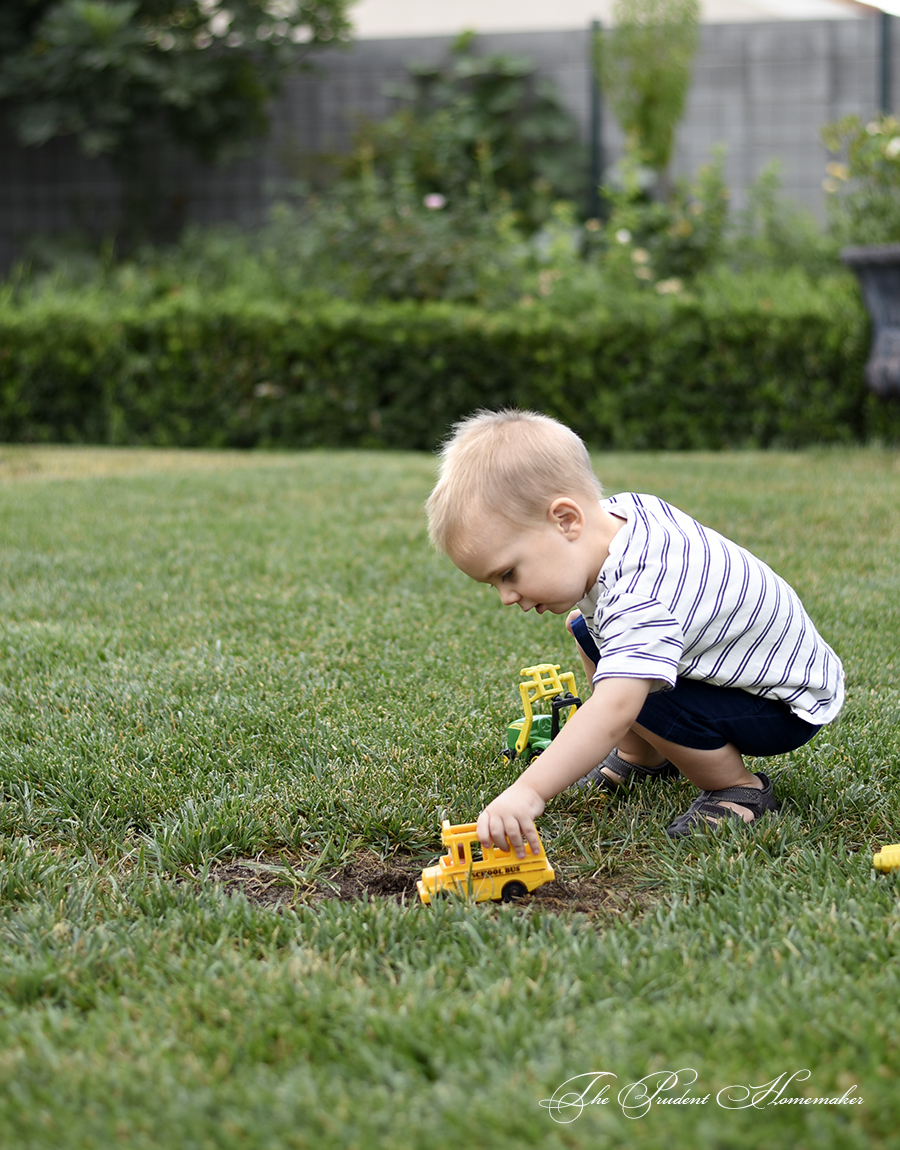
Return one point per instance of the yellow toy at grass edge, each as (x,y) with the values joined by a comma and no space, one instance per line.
(497,874)
(888,858)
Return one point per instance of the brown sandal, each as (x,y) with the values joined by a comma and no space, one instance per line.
(625,771)
(707,809)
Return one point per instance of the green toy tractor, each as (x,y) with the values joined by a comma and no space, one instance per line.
(531,734)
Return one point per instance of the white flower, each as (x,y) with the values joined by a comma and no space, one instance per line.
(640,256)
(669,287)
(220,22)
(434,201)
(281,9)
(268,391)
(623,235)
(892,148)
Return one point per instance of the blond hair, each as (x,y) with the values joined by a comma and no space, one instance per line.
(512,463)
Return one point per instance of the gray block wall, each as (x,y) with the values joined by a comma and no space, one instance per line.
(765,91)
(761,90)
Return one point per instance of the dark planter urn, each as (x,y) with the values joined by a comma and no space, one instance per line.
(878,271)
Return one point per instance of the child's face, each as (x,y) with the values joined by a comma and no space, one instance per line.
(544,566)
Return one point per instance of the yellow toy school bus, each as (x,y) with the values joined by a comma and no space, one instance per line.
(482,873)
(888,858)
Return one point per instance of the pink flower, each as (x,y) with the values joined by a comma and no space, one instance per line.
(434,201)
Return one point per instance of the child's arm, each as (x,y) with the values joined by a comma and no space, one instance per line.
(584,741)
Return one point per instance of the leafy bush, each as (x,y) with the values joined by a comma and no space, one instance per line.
(106,72)
(376,239)
(478,129)
(772,233)
(864,188)
(649,241)
(739,361)
(361,241)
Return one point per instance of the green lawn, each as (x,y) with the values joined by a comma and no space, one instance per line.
(209,659)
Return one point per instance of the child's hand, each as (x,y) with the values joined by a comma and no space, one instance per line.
(508,822)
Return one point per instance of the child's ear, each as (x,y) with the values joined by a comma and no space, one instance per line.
(568,516)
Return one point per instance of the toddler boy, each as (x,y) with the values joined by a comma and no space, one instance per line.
(703,654)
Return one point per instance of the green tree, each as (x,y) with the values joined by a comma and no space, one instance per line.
(120,75)
(644,64)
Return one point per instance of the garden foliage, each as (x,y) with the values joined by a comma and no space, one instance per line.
(109,73)
(729,367)
(417,288)
(864,186)
(378,239)
(644,63)
(483,130)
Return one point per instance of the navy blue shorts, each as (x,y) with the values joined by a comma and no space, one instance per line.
(706,717)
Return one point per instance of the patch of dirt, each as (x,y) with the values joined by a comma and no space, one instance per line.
(367,876)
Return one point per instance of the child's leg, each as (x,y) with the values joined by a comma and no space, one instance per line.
(709,717)
(633,758)
(708,770)
(635,748)
(703,729)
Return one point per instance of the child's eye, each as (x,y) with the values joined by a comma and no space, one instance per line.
(507,575)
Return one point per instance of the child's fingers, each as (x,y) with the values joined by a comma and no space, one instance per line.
(506,833)
(492,831)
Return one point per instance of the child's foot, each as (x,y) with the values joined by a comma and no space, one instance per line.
(710,806)
(614,771)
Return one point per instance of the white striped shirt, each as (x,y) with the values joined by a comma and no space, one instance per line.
(674,598)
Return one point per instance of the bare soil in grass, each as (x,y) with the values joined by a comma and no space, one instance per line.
(368,876)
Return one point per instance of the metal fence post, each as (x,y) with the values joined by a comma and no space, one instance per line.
(596,127)
(885,73)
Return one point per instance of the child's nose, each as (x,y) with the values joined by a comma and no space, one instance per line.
(508,596)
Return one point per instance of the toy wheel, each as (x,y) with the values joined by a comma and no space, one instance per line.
(514,891)
(507,754)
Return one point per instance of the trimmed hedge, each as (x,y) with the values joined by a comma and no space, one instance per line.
(658,373)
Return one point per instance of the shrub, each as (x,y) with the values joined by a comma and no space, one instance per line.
(486,129)
(652,240)
(379,239)
(742,361)
(773,233)
(864,188)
